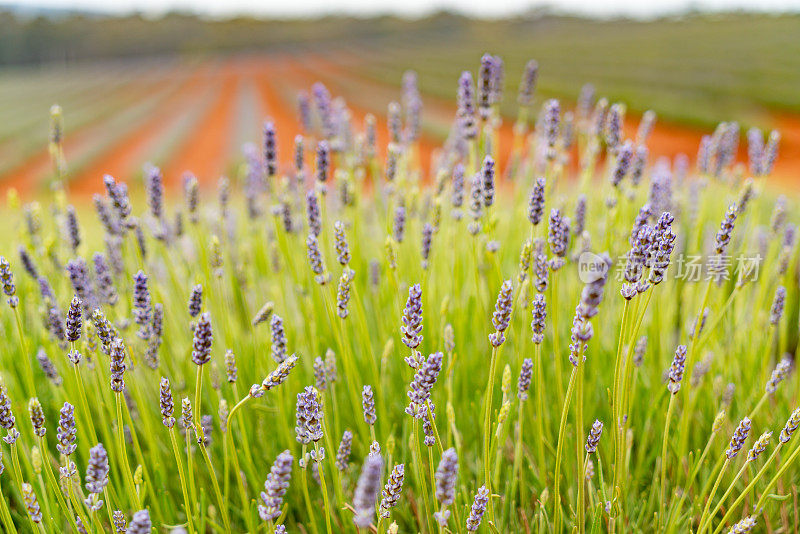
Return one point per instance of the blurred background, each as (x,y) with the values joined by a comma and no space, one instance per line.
(150,81)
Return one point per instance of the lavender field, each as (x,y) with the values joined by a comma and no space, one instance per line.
(535,321)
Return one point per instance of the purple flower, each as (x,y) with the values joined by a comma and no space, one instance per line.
(466,106)
(738,438)
(140,523)
(446,474)
(343,453)
(420,388)
(502,313)
(478,509)
(367,489)
(412,318)
(203,337)
(487,172)
(676,370)
(392,490)
(142,307)
(74,320)
(117,365)
(166,404)
(67,432)
(368,405)
(309,416)
(594,437)
(524,383)
(275,487)
(154,183)
(527,84)
(97,469)
(106,291)
(270,149)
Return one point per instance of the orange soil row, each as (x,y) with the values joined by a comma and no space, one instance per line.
(27,177)
(207,150)
(667,139)
(130,151)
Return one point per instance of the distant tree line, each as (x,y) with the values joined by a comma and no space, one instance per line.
(46,39)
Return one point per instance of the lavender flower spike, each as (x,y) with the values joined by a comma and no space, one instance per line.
(167,404)
(340,240)
(140,523)
(502,313)
(392,490)
(368,405)
(524,382)
(278,338)
(539,312)
(744,526)
(446,474)
(412,318)
(726,228)
(527,84)
(31,503)
(778,375)
(97,470)
(777,306)
(315,260)
(275,487)
(196,300)
(74,320)
(759,447)
(536,201)
(558,236)
(367,489)
(466,106)
(142,307)
(676,370)
(786,433)
(309,416)
(203,337)
(67,432)
(117,358)
(478,509)
(594,437)
(279,375)
(738,438)
(420,388)
(487,172)
(343,453)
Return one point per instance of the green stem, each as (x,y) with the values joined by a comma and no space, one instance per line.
(703,516)
(123,455)
(559,451)
(182,475)
(663,492)
(753,482)
(487,432)
(324,488)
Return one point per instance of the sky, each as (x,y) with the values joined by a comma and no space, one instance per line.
(637,8)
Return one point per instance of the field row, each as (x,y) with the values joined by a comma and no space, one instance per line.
(195,116)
